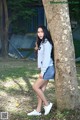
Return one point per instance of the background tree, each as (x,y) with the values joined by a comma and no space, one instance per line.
(58,21)
(16,14)
(21,13)
(0,21)
(4,27)
(74,9)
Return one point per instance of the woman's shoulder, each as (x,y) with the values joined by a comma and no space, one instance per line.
(46,42)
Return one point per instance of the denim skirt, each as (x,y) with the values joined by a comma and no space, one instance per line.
(49,74)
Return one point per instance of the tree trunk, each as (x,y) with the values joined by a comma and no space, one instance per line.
(4,28)
(66,85)
(0,17)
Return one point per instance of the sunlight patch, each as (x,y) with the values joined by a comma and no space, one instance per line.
(15,83)
(4,94)
(9,83)
(78,87)
(36,75)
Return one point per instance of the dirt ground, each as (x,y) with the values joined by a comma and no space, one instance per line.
(16,94)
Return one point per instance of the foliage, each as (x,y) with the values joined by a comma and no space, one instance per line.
(74,9)
(77,48)
(21,11)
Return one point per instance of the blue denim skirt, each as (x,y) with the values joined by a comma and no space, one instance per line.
(49,74)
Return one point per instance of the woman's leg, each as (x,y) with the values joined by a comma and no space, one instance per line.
(39,99)
(37,87)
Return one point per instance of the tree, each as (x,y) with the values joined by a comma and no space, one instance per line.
(21,20)
(16,18)
(4,28)
(0,16)
(66,85)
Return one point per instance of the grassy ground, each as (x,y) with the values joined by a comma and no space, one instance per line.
(16,94)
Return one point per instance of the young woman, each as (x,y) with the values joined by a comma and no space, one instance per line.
(45,63)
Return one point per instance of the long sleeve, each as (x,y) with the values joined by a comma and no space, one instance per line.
(39,60)
(47,61)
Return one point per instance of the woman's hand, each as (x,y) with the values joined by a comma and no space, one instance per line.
(40,76)
(36,48)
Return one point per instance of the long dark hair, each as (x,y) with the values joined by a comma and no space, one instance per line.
(46,36)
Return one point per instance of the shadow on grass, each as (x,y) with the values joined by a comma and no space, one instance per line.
(16,76)
(12,75)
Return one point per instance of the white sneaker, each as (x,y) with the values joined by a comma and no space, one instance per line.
(48,108)
(34,113)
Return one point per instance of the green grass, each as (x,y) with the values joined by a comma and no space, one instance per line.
(17,96)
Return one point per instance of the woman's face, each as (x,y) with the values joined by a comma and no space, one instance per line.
(40,33)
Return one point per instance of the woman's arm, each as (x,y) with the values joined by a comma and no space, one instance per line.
(46,57)
(36,46)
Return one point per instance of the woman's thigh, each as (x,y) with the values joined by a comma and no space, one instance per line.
(43,87)
(40,83)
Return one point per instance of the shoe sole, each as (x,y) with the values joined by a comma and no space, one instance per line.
(33,115)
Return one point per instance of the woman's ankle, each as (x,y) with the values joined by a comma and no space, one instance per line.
(46,104)
(38,110)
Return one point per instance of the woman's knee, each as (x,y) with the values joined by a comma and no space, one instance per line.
(43,89)
(34,87)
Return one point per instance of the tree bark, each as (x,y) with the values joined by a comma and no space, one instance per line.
(0,17)
(66,85)
(4,28)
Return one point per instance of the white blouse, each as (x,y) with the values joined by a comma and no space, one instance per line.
(44,56)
